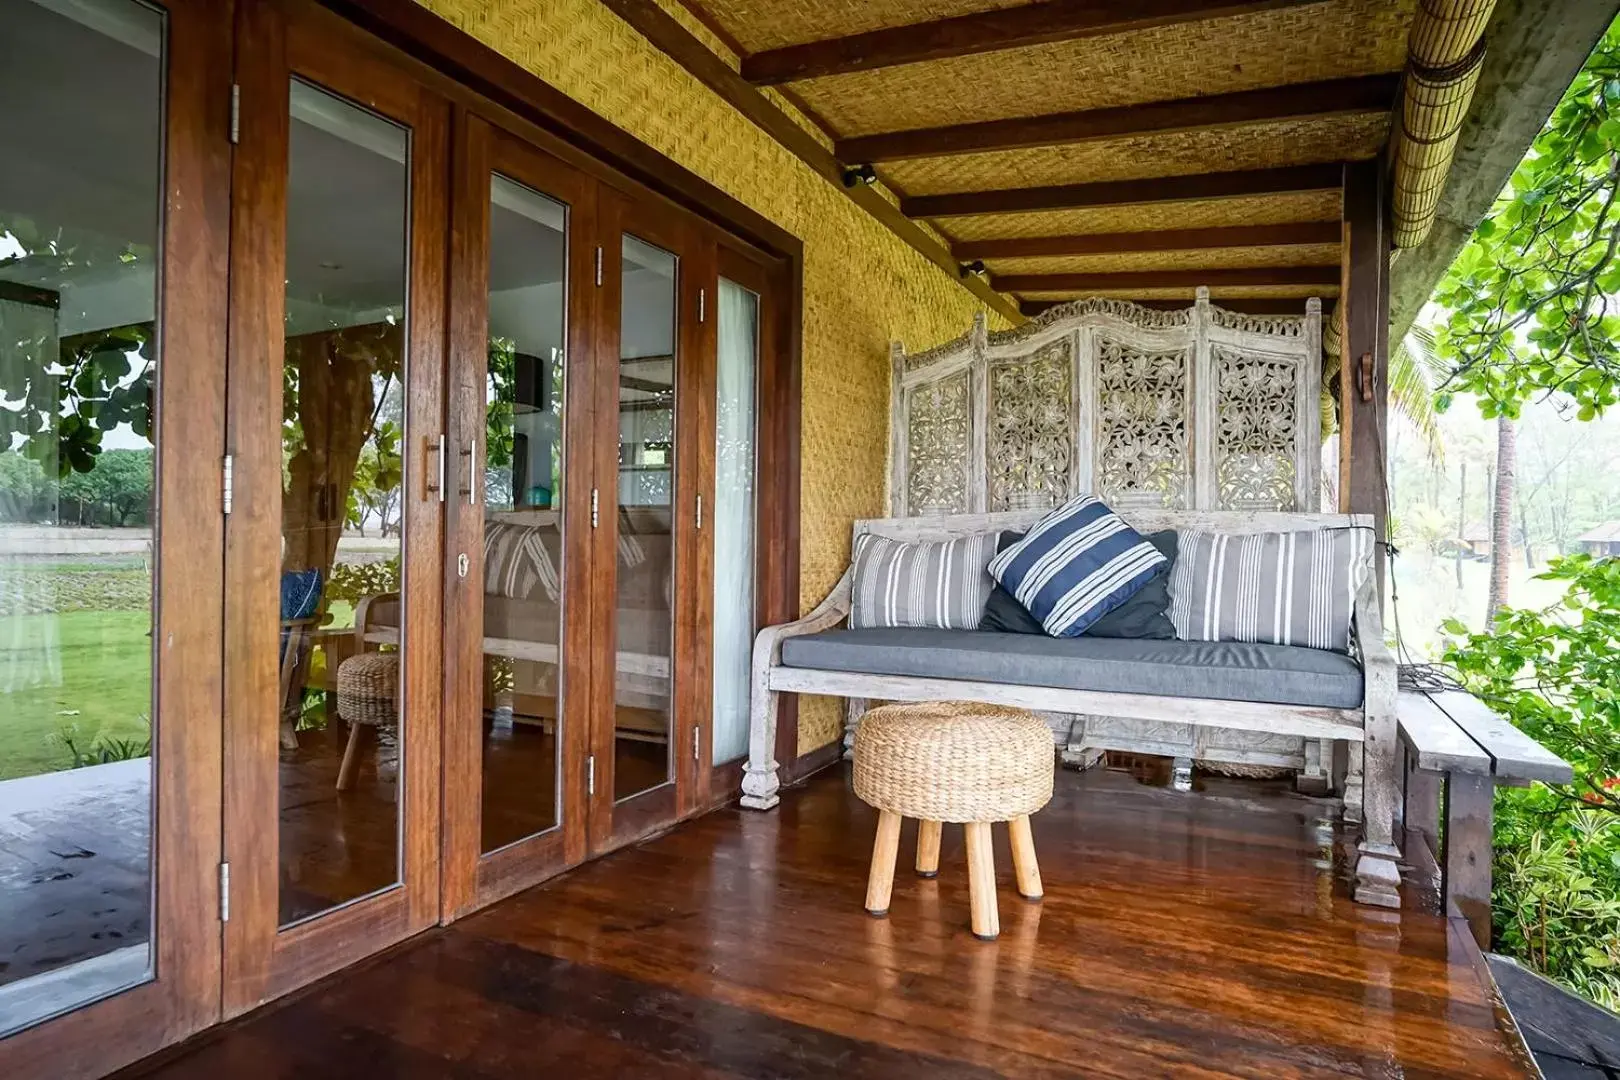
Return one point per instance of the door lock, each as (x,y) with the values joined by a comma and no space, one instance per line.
(462,562)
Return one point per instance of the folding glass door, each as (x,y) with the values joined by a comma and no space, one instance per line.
(112,320)
(519,615)
(340,476)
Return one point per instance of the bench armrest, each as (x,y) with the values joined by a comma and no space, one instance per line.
(1377,662)
(826,615)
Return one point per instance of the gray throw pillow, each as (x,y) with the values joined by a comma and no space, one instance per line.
(1282,588)
(940,584)
(1143,615)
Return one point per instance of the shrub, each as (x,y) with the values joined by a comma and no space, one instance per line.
(1556,674)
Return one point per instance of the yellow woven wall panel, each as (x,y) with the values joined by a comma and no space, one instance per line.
(862,285)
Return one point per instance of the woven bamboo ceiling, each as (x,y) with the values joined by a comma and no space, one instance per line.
(1133,148)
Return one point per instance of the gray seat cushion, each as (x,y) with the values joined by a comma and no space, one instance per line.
(1235,671)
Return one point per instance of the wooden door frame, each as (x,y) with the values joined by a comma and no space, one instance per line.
(615,823)
(472,878)
(490,84)
(183,998)
(279,39)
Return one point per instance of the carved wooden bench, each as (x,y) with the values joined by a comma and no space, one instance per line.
(1367,727)
(1455,750)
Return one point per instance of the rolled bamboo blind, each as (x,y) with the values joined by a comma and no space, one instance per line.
(1445,51)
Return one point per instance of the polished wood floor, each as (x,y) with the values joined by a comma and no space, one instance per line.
(338,846)
(1206,934)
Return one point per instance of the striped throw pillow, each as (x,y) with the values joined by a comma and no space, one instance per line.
(1076,565)
(931,583)
(1283,588)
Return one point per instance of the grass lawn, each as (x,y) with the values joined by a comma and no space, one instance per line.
(106,665)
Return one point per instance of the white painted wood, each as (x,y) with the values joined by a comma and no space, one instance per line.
(760,782)
(1285,351)
(1277,719)
(625,663)
(1515,756)
(951,526)
(1433,739)
(1202,436)
(1377,875)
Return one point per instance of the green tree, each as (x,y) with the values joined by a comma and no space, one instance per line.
(1531,297)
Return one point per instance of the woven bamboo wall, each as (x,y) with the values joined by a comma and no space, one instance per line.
(862,286)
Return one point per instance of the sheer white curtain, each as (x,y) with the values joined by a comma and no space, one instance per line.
(733,517)
(29,651)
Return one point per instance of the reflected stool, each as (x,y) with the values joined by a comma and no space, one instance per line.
(954,761)
(367,698)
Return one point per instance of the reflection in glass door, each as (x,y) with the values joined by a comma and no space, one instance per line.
(523,483)
(80,196)
(334,542)
(343,431)
(643,718)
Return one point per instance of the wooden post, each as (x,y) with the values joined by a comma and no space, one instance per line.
(982,881)
(1364,381)
(1025,867)
(880,882)
(1465,866)
(928,849)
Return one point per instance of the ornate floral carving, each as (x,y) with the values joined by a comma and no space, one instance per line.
(940,439)
(1029,443)
(1141,427)
(1135,314)
(1256,430)
(1287,326)
(918,360)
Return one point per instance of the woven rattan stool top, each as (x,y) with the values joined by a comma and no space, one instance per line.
(954,761)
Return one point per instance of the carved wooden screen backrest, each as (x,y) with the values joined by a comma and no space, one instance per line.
(1196,409)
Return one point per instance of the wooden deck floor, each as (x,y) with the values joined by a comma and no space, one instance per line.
(1188,935)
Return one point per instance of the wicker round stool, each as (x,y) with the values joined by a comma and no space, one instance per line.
(367,693)
(961,762)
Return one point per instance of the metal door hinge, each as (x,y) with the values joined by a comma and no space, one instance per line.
(438,451)
(228,482)
(236,114)
(595,493)
(701,295)
(697,744)
(590,775)
(224,892)
(700,511)
(599,267)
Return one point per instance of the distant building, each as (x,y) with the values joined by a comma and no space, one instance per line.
(1603,540)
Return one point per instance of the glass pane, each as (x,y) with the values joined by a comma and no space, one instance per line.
(733,517)
(80,195)
(523,481)
(642,718)
(343,480)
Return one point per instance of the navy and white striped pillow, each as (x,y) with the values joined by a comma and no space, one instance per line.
(1076,565)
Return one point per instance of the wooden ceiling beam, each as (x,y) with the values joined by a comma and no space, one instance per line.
(1163,189)
(1292,234)
(1212,112)
(1248,277)
(667,35)
(987,31)
(1260,306)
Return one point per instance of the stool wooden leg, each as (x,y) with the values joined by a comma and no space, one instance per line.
(359,736)
(880,883)
(928,849)
(982,882)
(1023,853)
